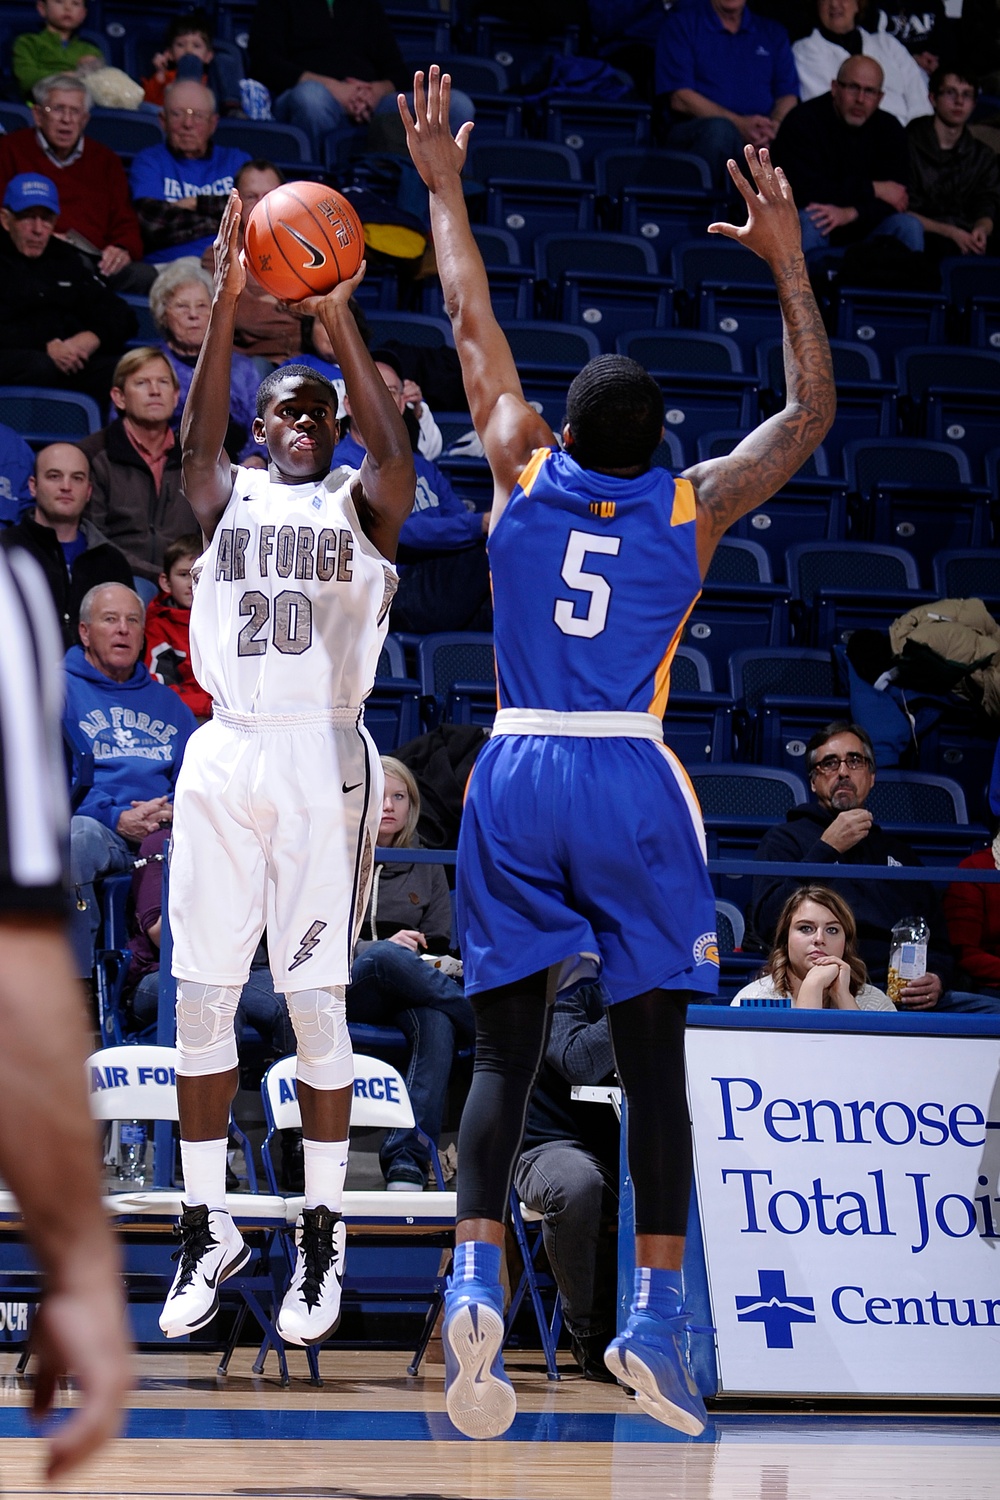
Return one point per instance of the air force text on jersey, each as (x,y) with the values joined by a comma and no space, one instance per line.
(299,552)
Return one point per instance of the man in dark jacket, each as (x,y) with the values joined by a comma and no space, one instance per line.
(138,500)
(837,829)
(59,324)
(331,68)
(847,163)
(955,179)
(73,554)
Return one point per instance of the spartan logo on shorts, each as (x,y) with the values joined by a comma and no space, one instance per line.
(706,949)
(308,945)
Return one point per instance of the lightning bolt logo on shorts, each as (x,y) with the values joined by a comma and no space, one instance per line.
(308,945)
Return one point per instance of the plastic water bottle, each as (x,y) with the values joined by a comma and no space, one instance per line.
(907,955)
(132,1154)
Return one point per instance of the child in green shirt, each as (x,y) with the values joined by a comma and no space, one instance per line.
(56,48)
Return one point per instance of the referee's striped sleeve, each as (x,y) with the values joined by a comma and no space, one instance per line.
(34,812)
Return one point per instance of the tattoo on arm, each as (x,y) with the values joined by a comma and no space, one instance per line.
(729,487)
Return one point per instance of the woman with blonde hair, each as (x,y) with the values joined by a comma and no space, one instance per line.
(814,962)
(392,984)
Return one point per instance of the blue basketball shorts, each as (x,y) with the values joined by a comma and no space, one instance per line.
(589,854)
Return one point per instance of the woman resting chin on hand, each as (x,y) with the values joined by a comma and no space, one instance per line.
(814,963)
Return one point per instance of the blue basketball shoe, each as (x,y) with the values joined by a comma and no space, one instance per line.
(650,1358)
(479,1398)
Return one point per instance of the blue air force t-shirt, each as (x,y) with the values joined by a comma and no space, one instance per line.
(157,173)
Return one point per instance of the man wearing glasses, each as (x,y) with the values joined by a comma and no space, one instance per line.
(956,178)
(837,829)
(95,213)
(848,165)
(181,187)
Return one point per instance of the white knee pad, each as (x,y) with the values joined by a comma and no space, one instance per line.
(206,1030)
(324,1046)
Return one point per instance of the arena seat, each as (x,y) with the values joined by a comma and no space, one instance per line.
(928,811)
(889,321)
(458,677)
(662,196)
(783,696)
(512,285)
(866,404)
(702,379)
(953,394)
(608,282)
(842,586)
(698,723)
(429,1217)
(739,605)
(43,416)
(591,126)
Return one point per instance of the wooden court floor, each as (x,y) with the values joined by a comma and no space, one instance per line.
(371,1433)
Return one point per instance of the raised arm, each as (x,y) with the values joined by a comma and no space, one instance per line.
(207,472)
(727,488)
(388,478)
(508,427)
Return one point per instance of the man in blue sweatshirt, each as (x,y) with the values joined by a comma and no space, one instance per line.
(137,730)
(443,572)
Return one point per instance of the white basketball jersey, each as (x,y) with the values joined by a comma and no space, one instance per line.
(291,601)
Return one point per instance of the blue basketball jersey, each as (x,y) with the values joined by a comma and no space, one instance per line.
(593,581)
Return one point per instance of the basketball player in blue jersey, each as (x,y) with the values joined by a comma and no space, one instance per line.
(581,847)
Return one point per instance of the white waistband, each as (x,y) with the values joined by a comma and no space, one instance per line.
(597,726)
(338,718)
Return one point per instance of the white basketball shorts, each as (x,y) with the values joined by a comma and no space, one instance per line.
(275,822)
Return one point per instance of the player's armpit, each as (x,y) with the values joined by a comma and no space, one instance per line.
(512,433)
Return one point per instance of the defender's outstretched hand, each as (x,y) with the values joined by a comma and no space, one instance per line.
(230,272)
(772,230)
(437,154)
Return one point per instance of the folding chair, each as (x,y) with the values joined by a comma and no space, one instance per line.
(380,1100)
(139,1083)
(527,1226)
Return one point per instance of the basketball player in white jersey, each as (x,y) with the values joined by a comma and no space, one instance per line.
(278,803)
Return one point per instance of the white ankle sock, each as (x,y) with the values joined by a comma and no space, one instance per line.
(204,1167)
(325,1171)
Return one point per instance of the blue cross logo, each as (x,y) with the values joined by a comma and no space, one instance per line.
(775,1309)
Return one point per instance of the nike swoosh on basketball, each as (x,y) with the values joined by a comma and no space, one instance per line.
(345,788)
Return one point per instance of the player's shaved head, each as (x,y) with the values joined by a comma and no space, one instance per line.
(614,415)
(295,375)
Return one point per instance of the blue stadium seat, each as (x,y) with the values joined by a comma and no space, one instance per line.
(971,284)
(14,116)
(125,131)
(866,404)
(533,188)
(844,586)
(44,416)
(784,695)
(915,493)
(591,126)
(418,329)
(953,395)
(739,804)
(739,605)
(663,196)
(548,356)
(969,574)
(721,289)
(608,282)
(458,676)
(698,723)
(499,112)
(702,379)
(285,145)
(512,284)
(928,811)
(147,331)
(889,321)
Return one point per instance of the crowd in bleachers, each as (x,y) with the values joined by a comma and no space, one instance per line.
(593,228)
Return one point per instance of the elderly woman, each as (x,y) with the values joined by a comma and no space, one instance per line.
(838,36)
(180,301)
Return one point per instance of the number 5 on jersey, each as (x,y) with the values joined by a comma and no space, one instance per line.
(594,584)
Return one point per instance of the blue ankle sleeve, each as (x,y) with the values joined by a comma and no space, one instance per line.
(476,1260)
(657,1291)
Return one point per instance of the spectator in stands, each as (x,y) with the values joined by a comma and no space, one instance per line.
(921,26)
(330,74)
(17,464)
(72,553)
(568,1172)
(837,37)
(138,500)
(848,165)
(59,324)
(96,215)
(838,830)
(137,731)
(409,914)
(56,48)
(814,962)
(181,187)
(267,331)
(973,916)
(168,626)
(444,579)
(190,37)
(180,302)
(728,78)
(955,179)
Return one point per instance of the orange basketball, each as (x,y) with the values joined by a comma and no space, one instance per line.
(302,239)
